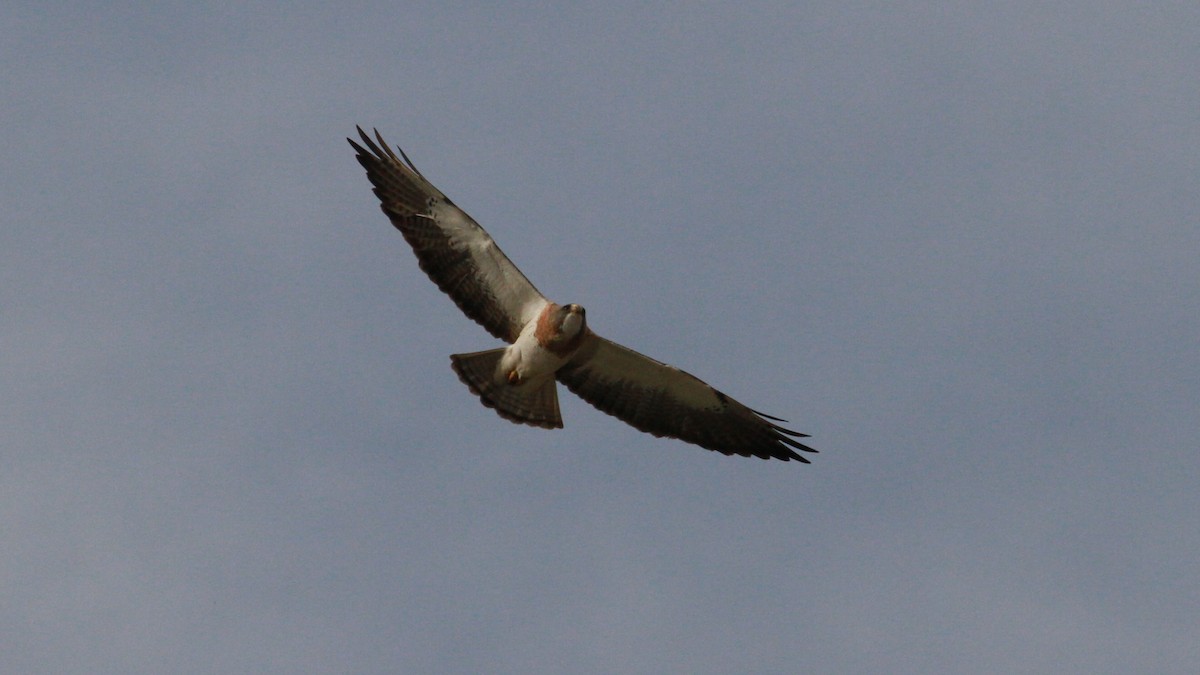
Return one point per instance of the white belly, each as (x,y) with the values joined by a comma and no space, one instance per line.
(531,362)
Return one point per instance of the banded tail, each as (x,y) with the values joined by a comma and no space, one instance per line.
(527,403)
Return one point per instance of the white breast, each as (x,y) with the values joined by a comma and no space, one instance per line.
(532,362)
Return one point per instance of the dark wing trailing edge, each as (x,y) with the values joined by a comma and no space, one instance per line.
(665,401)
(457,254)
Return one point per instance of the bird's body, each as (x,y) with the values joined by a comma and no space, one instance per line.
(518,380)
(549,342)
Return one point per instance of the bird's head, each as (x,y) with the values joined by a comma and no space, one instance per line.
(572,320)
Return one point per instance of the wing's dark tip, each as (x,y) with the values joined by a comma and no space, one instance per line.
(382,150)
(770,417)
(785,440)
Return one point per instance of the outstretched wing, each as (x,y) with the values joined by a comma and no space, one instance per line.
(459,255)
(665,401)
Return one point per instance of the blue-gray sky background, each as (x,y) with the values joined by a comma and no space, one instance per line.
(956,244)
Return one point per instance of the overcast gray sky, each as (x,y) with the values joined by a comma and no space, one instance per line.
(956,244)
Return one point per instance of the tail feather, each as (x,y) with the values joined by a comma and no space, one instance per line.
(528,403)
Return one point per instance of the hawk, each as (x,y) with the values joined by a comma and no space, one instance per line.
(549,342)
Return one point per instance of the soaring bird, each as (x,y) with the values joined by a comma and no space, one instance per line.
(551,342)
